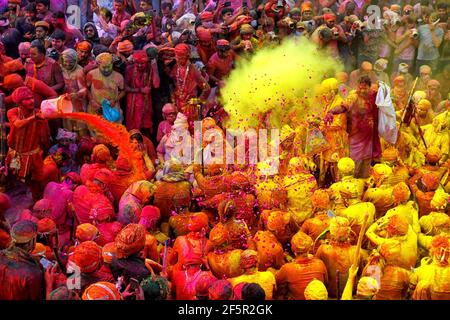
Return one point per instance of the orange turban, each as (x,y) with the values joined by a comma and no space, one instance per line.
(439,245)
(329,17)
(401,192)
(339,228)
(87,256)
(130,240)
(206,16)
(399,80)
(46,225)
(102,291)
(398,225)
(198,221)
(222,43)
(238,181)
(301,243)
(109,251)
(434,154)
(182,50)
(104,59)
(86,232)
(125,46)
(13,81)
(320,199)
(204,34)
(277,220)
(84,46)
(12,66)
(390,154)
(39,250)
(101,153)
(306,6)
(20,94)
(430,181)
(366,66)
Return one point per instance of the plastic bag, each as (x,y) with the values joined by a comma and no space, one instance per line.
(110,113)
(387,126)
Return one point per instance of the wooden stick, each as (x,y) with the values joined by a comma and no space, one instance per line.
(360,238)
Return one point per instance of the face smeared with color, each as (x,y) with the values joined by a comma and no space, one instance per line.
(106,69)
(145,6)
(425,74)
(82,54)
(363,89)
(58,22)
(69,64)
(28,103)
(246,36)
(40,33)
(182,59)
(170,116)
(24,53)
(223,53)
(118,7)
(433,89)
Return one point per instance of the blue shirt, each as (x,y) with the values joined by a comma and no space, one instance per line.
(427,50)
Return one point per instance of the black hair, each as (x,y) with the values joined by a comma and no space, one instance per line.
(106,12)
(166,5)
(58,35)
(137,136)
(253,292)
(39,46)
(365,80)
(225,11)
(442,5)
(31,7)
(44,2)
(59,15)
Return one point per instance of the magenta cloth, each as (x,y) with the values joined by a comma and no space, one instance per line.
(88,171)
(84,200)
(163,129)
(60,196)
(363,138)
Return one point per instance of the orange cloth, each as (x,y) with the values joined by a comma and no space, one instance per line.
(102,291)
(294,277)
(87,256)
(130,240)
(86,232)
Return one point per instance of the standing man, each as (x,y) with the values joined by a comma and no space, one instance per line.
(362,113)
(187,78)
(104,83)
(28,139)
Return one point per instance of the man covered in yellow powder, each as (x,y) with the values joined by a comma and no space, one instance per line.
(338,254)
(300,185)
(436,222)
(334,130)
(293,278)
(404,207)
(348,184)
(288,149)
(314,226)
(432,278)
(270,251)
(436,134)
(266,279)
(396,240)
(270,191)
(227,240)
(400,172)
(381,192)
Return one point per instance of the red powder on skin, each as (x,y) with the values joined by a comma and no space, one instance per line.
(115,133)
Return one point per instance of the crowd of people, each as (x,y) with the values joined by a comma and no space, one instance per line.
(363,216)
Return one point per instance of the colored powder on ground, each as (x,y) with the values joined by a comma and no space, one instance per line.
(114,133)
(277,86)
